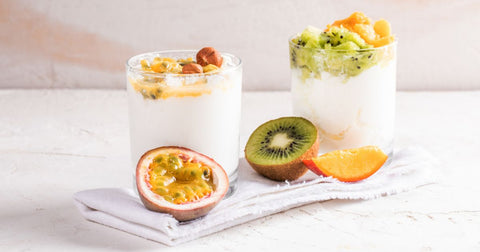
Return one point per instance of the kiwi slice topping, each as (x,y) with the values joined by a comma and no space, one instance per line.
(337,51)
(276,148)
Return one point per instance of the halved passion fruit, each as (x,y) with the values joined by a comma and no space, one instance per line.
(180,181)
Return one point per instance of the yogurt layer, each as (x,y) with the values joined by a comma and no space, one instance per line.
(351,112)
(343,80)
(208,123)
(197,111)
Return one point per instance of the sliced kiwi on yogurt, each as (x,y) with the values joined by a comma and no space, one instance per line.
(276,148)
(337,51)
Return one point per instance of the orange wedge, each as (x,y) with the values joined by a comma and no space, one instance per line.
(348,165)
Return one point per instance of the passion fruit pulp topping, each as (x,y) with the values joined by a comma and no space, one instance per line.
(179,179)
(180,182)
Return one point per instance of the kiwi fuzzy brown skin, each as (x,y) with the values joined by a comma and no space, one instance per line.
(288,171)
(181,212)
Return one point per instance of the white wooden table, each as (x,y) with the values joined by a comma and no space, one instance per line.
(57,142)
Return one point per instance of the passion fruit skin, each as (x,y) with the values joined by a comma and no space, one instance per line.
(186,211)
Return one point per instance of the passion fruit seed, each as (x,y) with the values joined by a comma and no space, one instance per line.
(210,68)
(168,198)
(174,162)
(145,65)
(179,181)
(159,170)
(190,173)
(206,173)
(188,189)
(183,199)
(161,190)
(163,180)
(179,194)
(158,159)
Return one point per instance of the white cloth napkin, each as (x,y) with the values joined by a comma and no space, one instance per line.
(255,197)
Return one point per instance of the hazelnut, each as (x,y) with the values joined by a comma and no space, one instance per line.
(192,68)
(208,55)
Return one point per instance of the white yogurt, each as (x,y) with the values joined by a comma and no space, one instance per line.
(207,123)
(349,113)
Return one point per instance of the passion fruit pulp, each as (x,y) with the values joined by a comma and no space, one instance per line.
(180,182)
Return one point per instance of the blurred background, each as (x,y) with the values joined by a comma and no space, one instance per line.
(84,44)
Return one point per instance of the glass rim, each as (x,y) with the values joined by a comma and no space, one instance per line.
(290,42)
(131,68)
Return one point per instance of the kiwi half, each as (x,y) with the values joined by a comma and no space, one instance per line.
(276,148)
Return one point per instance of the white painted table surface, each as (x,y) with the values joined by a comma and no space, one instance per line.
(57,142)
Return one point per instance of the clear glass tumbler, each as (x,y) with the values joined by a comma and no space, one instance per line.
(197,111)
(349,95)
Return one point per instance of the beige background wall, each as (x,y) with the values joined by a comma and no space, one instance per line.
(84,44)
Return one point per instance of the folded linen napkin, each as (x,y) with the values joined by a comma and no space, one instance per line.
(255,197)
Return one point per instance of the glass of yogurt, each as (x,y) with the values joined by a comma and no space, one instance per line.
(199,110)
(343,79)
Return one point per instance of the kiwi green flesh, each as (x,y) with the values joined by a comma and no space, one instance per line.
(344,53)
(280,141)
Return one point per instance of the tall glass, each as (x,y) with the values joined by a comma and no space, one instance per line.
(197,111)
(349,95)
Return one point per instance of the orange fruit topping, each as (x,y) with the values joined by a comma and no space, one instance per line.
(348,165)
(382,28)
(350,22)
(377,34)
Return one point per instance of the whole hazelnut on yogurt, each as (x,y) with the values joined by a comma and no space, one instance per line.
(192,68)
(208,55)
